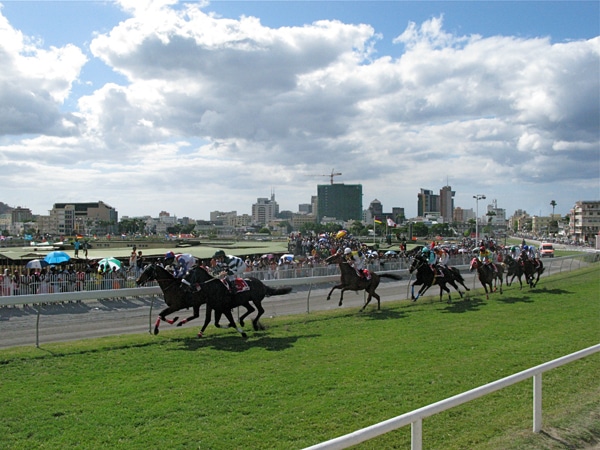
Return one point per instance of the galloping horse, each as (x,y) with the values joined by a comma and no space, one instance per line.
(219,299)
(427,278)
(176,296)
(351,281)
(487,275)
(518,268)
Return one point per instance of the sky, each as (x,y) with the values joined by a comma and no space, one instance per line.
(193,107)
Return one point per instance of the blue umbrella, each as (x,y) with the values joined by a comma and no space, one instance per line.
(57,258)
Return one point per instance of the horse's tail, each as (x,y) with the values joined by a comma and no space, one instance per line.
(277,291)
(393,276)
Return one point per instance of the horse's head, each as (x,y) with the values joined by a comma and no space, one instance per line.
(475,264)
(198,274)
(335,258)
(148,274)
(418,260)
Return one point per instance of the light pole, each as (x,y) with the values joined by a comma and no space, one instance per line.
(477,198)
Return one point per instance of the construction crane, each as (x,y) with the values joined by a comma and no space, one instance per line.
(331,175)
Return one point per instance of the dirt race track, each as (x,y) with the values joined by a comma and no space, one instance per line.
(90,319)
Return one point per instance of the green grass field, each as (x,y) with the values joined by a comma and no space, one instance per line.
(311,378)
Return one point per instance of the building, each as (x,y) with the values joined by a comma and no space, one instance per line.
(81,218)
(584,223)
(339,201)
(447,203)
(264,210)
(427,202)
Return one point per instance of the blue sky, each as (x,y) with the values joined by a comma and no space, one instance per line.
(190,108)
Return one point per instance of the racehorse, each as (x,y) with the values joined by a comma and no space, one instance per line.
(487,275)
(518,268)
(427,278)
(176,296)
(352,281)
(219,299)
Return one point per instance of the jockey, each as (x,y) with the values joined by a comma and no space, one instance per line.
(168,262)
(443,257)
(524,255)
(356,260)
(485,256)
(430,257)
(230,268)
(184,262)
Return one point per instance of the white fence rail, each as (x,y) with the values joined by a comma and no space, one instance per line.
(415,418)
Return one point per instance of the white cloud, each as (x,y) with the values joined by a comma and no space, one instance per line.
(210,100)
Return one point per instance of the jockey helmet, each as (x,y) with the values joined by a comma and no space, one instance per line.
(219,254)
(425,250)
(169,255)
(347,251)
(482,249)
(525,247)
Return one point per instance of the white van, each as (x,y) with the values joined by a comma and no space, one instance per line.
(546,249)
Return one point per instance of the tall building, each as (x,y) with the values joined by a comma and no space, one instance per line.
(427,202)
(264,210)
(340,201)
(447,203)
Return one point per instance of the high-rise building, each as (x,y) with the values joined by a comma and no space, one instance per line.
(427,202)
(447,203)
(264,210)
(340,201)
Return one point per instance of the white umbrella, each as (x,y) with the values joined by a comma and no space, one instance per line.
(109,263)
(36,264)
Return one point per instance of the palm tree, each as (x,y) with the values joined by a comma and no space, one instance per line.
(553,204)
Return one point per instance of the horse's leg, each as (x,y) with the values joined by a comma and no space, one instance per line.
(369,297)
(249,310)
(232,324)
(256,321)
(163,316)
(445,288)
(206,320)
(196,309)
(337,286)
(342,296)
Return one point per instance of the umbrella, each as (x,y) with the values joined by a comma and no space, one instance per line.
(390,253)
(286,258)
(36,264)
(57,258)
(340,234)
(109,263)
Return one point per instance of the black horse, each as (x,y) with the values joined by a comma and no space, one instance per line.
(219,299)
(176,295)
(523,267)
(488,276)
(427,278)
(352,281)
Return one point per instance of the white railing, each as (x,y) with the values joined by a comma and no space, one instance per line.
(415,418)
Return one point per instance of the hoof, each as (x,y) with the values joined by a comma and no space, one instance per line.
(200,334)
(155,331)
(244,335)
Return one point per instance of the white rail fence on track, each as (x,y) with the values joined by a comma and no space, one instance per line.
(415,418)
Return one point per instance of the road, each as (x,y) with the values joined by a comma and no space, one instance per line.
(91,319)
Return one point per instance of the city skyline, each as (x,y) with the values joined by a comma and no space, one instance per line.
(194,107)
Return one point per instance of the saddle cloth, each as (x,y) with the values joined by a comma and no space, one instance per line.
(240,285)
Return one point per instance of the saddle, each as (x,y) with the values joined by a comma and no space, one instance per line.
(240,285)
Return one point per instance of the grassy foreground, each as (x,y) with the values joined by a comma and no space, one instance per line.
(311,378)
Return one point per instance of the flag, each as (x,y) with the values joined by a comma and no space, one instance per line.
(391,223)
(376,220)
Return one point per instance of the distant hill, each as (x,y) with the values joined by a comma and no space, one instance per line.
(5,209)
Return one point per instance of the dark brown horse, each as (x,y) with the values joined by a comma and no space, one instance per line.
(176,295)
(352,281)
(219,299)
(427,278)
(488,276)
(532,270)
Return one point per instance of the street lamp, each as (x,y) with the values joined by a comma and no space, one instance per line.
(477,198)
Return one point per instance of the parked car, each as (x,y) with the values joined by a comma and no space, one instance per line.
(546,249)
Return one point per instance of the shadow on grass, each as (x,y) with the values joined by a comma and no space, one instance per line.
(465,305)
(510,300)
(383,314)
(235,343)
